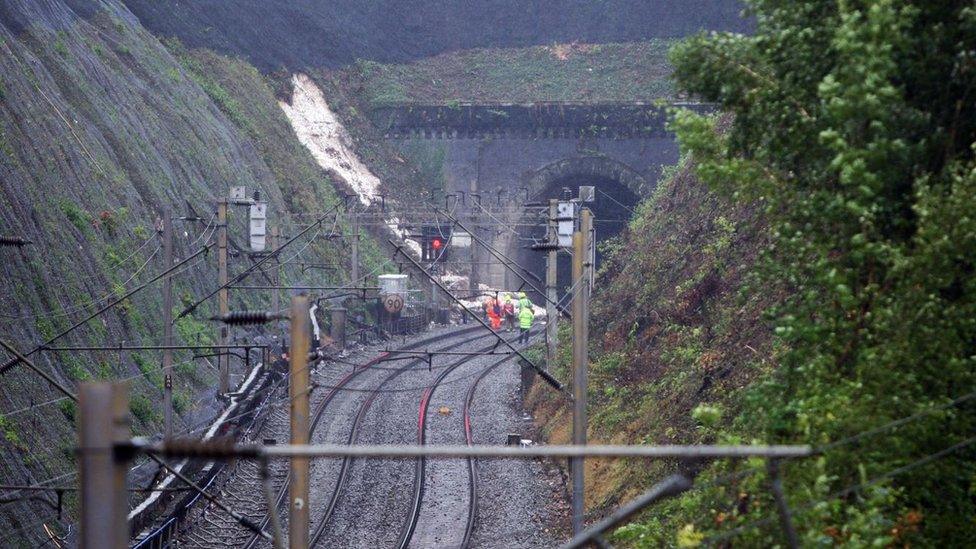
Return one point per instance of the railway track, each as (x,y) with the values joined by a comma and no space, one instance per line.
(472,462)
(215,530)
(253,540)
(421,463)
(340,485)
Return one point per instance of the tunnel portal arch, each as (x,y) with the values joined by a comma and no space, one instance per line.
(598,168)
(620,189)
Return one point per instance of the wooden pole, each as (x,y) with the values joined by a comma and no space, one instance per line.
(102,423)
(580,359)
(298,515)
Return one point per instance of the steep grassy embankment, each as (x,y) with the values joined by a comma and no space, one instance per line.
(100,126)
(634,71)
(300,35)
(674,334)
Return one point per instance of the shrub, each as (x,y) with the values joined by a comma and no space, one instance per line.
(142,409)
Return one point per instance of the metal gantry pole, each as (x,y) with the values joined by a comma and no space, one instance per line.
(580,359)
(168,322)
(102,424)
(354,249)
(552,264)
(223,361)
(298,392)
(276,273)
(474,281)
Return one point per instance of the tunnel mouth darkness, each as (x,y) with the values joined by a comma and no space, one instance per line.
(612,210)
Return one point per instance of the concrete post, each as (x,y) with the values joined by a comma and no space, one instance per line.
(552,313)
(339,327)
(354,250)
(581,313)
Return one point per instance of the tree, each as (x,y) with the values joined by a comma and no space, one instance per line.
(854,124)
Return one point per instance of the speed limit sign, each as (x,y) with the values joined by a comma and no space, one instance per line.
(393,303)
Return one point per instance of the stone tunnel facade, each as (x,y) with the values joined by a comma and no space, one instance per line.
(525,154)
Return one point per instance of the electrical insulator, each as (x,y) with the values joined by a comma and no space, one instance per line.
(241,318)
(13,241)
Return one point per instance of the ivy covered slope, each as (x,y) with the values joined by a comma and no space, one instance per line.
(100,127)
(853,133)
(676,333)
(856,124)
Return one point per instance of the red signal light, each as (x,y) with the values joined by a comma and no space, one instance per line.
(436,243)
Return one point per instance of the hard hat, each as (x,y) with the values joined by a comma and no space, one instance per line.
(521,294)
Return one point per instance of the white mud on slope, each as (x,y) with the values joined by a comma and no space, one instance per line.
(318,128)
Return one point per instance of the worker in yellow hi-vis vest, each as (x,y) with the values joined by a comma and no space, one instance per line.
(526,317)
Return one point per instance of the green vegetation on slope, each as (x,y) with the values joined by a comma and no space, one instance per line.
(636,71)
(854,136)
(99,128)
(668,366)
(856,126)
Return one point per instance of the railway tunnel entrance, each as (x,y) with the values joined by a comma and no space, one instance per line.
(614,205)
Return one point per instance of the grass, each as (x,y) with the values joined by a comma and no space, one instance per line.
(142,409)
(61,47)
(561,72)
(10,433)
(81,219)
(68,409)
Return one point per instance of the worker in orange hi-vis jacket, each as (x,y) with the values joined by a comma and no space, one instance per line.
(494,313)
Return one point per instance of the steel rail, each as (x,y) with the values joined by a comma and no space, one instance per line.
(317,416)
(354,434)
(472,462)
(421,464)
